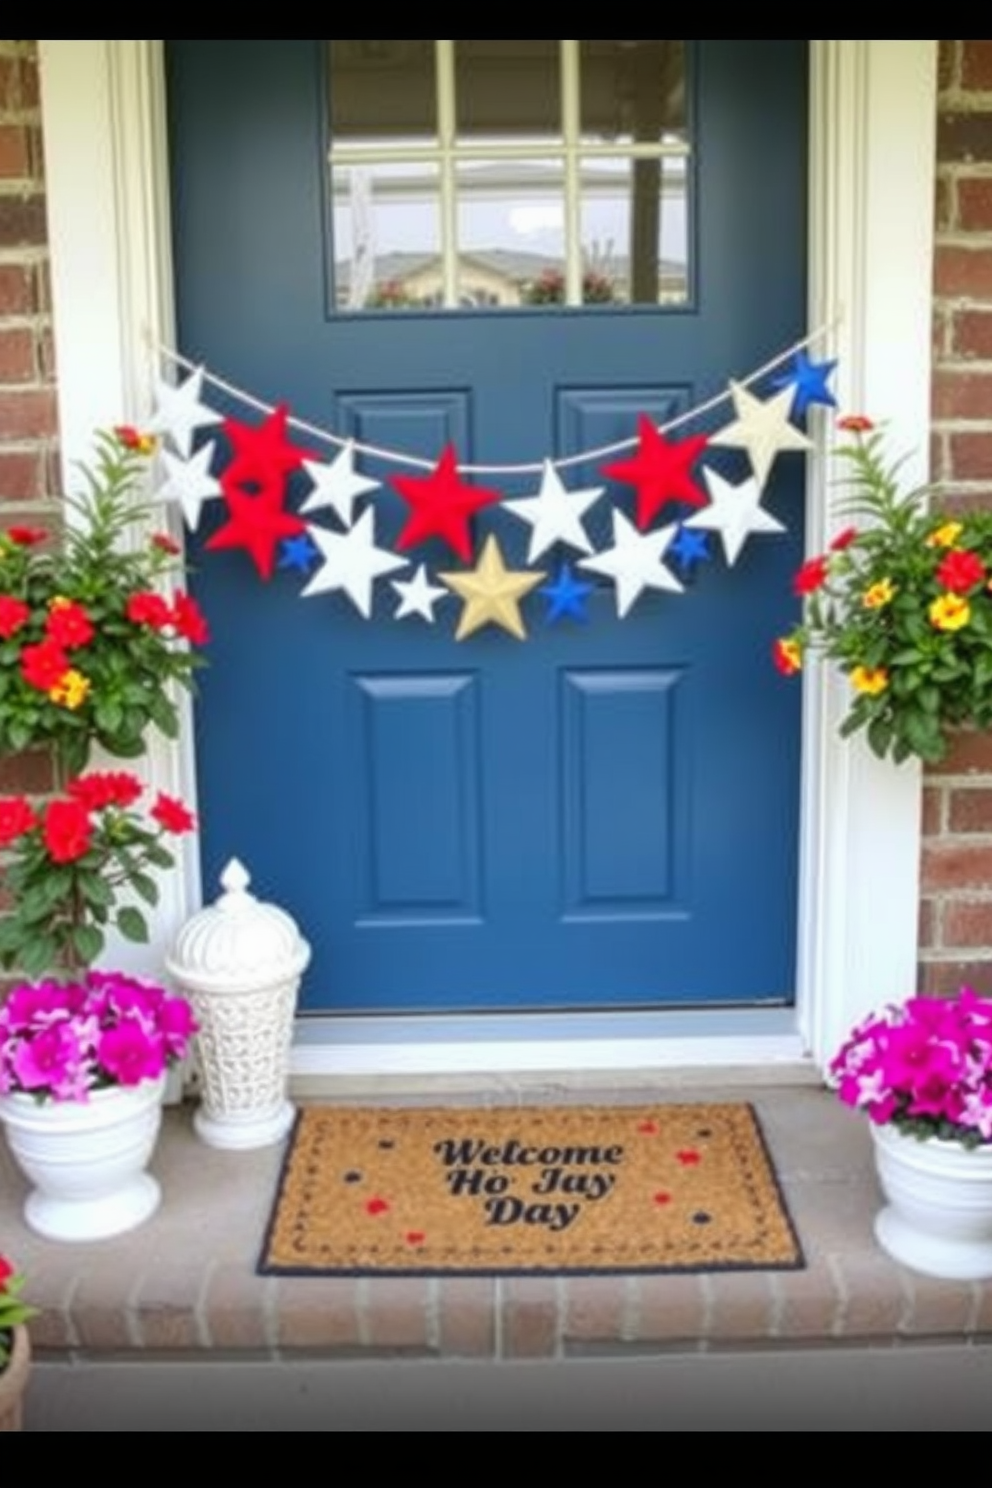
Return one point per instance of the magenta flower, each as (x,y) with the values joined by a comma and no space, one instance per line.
(130,1055)
(52,1061)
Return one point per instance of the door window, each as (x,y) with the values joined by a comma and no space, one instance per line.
(509,174)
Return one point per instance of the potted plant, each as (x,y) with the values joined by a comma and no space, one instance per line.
(922,1073)
(15,1346)
(902,603)
(86,1054)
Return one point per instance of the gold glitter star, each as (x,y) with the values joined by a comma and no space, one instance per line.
(492,594)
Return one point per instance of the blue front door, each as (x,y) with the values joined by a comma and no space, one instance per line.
(602,815)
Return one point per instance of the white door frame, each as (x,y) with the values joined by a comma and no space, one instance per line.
(873,154)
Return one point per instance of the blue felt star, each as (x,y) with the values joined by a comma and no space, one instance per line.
(690,549)
(567,597)
(299,554)
(810,382)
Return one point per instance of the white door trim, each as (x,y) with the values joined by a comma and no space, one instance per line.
(873,120)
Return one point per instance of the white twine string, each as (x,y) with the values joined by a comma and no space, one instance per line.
(400,457)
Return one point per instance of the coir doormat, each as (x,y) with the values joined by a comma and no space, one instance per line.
(519,1192)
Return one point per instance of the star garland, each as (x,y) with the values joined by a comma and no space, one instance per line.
(648,555)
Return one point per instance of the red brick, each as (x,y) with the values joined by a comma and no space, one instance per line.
(965,137)
(15,154)
(22,474)
(945,204)
(964,503)
(945,978)
(963,395)
(970,811)
(975,203)
(971,334)
(594,1309)
(971,457)
(933,811)
(967,926)
(947,64)
(970,753)
(29,82)
(27,415)
(467,1312)
(955,867)
(530,1319)
(23,222)
(28,774)
(43,288)
(928,919)
(46,355)
(17,359)
(976,66)
(16,289)
(963,273)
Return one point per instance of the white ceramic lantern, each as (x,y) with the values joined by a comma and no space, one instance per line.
(240,962)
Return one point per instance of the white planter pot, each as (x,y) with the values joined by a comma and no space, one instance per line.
(87,1161)
(938,1218)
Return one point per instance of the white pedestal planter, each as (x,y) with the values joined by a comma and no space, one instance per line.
(87,1160)
(938,1219)
(240,963)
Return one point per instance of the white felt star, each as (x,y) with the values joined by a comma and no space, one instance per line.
(352,562)
(763,429)
(190,483)
(635,563)
(180,412)
(337,486)
(419,597)
(556,515)
(736,513)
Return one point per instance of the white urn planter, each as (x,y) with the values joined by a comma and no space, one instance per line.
(87,1160)
(240,962)
(938,1215)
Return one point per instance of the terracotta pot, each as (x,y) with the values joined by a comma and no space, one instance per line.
(13,1382)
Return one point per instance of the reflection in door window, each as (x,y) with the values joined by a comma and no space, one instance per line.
(509,174)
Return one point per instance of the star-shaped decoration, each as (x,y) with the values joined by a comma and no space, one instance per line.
(180,412)
(556,515)
(736,514)
(442,505)
(661,471)
(763,429)
(337,486)
(568,598)
(419,596)
(299,555)
(690,549)
(352,563)
(634,563)
(190,482)
(259,524)
(808,381)
(492,594)
(261,455)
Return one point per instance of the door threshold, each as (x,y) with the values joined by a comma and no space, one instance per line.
(760,1044)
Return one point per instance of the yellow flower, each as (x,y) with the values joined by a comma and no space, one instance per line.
(950,613)
(71,692)
(946,536)
(870,681)
(880,595)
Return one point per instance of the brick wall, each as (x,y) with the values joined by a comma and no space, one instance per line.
(28,444)
(956,909)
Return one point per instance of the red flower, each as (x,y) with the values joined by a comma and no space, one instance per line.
(97,792)
(172,816)
(14,615)
(150,610)
(68,625)
(166,544)
(44,666)
(27,537)
(855,423)
(788,656)
(132,439)
(16,818)
(68,831)
(6,1273)
(811,577)
(961,572)
(844,540)
(190,621)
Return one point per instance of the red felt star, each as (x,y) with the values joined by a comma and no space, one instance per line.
(442,506)
(262,456)
(377,1208)
(257,523)
(690,1159)
(662,472)
(648,1129)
